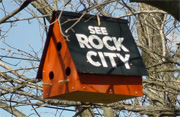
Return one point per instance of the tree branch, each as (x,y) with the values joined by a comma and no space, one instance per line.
(25,4)
(11,109)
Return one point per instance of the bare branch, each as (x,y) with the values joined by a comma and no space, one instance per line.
(11,109)
(24,5)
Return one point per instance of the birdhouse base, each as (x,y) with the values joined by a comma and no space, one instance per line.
(92,97)
(94,88)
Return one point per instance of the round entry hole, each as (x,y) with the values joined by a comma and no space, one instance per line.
(51,75)
(59,46)
(68,71)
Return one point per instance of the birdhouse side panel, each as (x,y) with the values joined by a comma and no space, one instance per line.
(59,73)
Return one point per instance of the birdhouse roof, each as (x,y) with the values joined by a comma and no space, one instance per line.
(98,45)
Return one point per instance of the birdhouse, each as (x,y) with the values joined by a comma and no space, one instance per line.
(90,58)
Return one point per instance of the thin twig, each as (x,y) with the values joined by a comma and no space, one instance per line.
(25,4)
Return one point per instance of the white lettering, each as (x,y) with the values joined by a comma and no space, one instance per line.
(105,40)
(91,29)
(97,30)
(104,31)
(83,41)
(103,58)
(111,43)
(103,61)
(97,43)
(111,58)
(118,44)
(94,37)
(125,60)
(90,60)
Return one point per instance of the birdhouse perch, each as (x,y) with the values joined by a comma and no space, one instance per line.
(84,61)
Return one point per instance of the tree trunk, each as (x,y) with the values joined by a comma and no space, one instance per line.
(87,113)
(170,6)
(151,36)
(108,112)
(84,112)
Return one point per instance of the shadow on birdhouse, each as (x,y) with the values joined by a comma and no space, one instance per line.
(90,60)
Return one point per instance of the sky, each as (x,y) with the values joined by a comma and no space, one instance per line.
(25,35)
